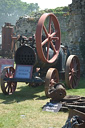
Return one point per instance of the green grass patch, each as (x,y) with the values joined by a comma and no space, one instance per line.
(80,90)
(23,109)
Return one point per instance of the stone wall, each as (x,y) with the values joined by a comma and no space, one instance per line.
(26,26)
(77,20)
(76,28)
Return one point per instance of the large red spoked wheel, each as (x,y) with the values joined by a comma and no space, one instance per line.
(48,38)
(52,77)
(72,73)
(8,87)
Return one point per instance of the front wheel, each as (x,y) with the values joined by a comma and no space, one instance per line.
(8,87)
(52,77)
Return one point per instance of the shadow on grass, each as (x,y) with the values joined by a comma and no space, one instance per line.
(29,93)
(24,93)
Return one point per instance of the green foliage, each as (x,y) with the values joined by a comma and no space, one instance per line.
(11,10)
(59,10)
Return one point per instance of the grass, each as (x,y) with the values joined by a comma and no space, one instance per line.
(80,90)
(23,109)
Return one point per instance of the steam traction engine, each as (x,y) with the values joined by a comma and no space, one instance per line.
(41,61)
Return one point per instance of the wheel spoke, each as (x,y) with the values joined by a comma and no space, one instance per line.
(74,82)
(76,72)
(70,73)
(48,46)
(53,47)
(44,42)
(53,34)
(70,80)
(76,76)
(8,89)
(7,86)
(45,30)
(55,38)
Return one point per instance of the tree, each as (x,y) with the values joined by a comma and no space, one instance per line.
(11,10)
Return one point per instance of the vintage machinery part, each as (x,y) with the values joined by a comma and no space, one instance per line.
(52,77)
(71,98)
(72,72)
(81,114)
(51,38)
(57,93)
(8,87)
(25,55)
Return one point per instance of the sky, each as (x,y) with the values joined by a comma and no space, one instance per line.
(43,4)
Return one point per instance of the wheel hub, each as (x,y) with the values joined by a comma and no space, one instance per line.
(49,37)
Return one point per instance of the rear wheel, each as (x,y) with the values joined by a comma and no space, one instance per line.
(72,73)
